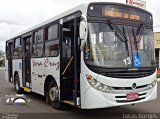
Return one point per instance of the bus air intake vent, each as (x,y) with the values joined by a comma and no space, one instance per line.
(125,101)
(129,88)
(143,94)
(128,74)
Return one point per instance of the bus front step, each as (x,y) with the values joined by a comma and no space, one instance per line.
(70,102)
(26,89)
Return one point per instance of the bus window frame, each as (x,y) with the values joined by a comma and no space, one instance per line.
(46,37)
(14,48)
(6,49)
(34,42)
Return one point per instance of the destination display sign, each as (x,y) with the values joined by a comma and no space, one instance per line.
(119,11)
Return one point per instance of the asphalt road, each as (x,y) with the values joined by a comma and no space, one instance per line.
(37,108)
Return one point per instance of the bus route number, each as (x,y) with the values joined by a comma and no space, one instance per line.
(127,61)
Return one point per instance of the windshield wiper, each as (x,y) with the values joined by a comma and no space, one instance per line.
(126,42)
(114,26)
(139,33)
(137,37)
(135,41)
(122,36)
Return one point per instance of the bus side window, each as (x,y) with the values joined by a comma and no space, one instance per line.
(7,50)
(67,46)
(17,48)
(37,48)
(52,42)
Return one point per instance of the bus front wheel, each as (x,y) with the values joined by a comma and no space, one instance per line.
(53,95)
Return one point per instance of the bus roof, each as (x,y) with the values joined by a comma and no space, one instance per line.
(82,7)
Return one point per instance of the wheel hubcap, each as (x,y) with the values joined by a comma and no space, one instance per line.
(53,94)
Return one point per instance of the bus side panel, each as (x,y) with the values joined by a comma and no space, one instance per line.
(40,69)
(17,67)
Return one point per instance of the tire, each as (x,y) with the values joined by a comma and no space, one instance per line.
(53,95)
(17,87)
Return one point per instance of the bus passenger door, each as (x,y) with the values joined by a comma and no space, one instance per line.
(69,63)
(26,62)
(10,67)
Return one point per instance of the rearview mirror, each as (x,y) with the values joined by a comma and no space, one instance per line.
(83,30)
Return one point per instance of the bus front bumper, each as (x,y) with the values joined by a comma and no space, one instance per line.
(96,99)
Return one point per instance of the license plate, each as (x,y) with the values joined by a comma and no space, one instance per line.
(132,96)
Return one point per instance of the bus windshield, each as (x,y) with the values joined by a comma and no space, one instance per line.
(129,46)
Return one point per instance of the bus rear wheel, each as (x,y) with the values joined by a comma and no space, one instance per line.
(18,89)
(53,95)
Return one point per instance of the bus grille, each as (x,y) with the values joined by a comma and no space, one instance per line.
(128,74)
(129,88)
(125,100)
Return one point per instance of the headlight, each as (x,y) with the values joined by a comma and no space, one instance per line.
(97,85)
(153,84)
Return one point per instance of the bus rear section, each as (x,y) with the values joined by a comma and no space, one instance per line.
(8,61)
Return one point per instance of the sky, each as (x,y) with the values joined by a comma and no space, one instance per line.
(18,15)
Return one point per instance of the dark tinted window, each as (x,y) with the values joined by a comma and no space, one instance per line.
(34,52)
(17,42)
(17,48)
(7,50)
(39,49)
(38,36)
(52,48)
(52,42)
(53,32)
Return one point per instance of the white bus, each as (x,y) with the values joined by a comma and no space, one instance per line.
(96,55)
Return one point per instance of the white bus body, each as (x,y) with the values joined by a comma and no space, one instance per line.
(87,88)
